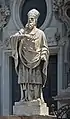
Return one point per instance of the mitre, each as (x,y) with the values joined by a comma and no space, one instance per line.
(35,13)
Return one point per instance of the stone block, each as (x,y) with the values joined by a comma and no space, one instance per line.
(29,108)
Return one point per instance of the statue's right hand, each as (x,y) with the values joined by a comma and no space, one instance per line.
(14,35)
(17,35)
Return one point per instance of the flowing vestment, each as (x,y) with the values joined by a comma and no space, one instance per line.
(27,53)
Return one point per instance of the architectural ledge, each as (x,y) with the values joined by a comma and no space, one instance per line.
(29,117)
(64,96)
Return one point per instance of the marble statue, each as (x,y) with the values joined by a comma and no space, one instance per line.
(30,52)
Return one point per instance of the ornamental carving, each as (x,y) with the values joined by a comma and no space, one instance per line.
(4,16)
(61,8)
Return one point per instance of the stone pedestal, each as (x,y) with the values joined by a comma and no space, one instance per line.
(36,107)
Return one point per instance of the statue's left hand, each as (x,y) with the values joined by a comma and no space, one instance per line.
(43,58)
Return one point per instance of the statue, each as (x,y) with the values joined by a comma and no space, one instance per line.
(30,53)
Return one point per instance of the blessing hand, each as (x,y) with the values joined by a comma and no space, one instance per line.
(17,35)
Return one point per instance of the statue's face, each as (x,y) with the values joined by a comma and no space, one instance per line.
(31,22)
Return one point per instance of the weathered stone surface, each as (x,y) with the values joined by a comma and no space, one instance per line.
(29,108)
(28,117)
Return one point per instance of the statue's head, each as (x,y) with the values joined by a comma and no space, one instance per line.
(32,18)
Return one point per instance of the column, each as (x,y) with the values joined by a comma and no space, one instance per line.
(60,71)
(5,86)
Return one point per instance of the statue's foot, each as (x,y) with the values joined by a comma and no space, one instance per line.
(24,99)
(21,101)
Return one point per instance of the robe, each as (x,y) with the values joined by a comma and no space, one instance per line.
(28,53)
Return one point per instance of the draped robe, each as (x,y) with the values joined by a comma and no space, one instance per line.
(28,53)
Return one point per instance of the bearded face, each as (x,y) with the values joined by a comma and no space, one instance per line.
(31,22)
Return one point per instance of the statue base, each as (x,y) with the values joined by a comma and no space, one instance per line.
(29,108)
(28,117)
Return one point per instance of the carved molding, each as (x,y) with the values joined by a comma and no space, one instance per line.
(57,35)
(16,14)
(4,16)
(61,9)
